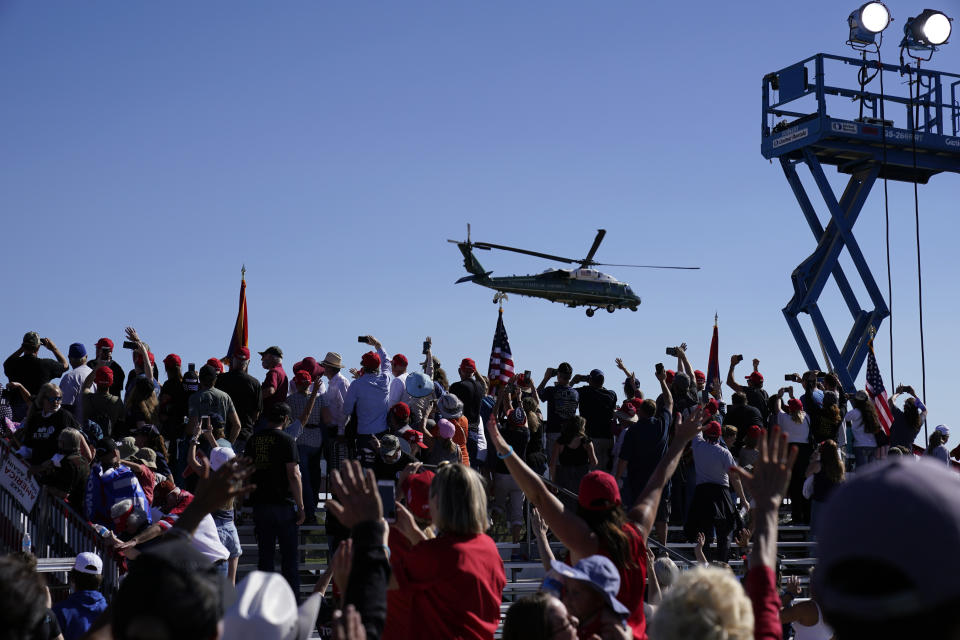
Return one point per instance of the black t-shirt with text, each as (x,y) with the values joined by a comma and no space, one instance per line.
(271,450)
(561,405)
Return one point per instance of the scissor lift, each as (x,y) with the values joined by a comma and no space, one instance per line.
(797,129)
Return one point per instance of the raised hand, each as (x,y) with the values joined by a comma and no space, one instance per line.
(771,473)
(689,425)
(342,562)
(357,497)
(348,625)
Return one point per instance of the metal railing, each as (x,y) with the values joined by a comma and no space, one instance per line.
(56,530)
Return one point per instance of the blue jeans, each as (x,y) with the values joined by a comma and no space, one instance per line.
(864,455)
(273,524)
(310,476)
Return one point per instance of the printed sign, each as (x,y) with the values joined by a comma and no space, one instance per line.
(844,127)
(15,479)
(790,135)
(953,142)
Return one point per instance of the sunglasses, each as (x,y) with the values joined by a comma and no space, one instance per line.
(54,399)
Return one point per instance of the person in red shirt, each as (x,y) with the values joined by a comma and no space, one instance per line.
(600,523)
(455,580)
(275,384)
(415,489)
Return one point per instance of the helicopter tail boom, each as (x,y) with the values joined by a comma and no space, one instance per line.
(472,265)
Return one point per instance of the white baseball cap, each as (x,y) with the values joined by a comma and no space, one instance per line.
(219,455)
(88,562)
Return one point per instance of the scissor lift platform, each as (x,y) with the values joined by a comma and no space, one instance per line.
(866,145)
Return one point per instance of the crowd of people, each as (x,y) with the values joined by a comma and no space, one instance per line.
(162,469)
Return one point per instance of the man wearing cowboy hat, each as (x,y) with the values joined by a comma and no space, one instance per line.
(335,394)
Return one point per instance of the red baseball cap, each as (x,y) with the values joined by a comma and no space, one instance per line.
(699,375)
(103,375)
(311,366)
(599,491)
(370,360)
(670,375)
(400,359)
(794,405)
(412,436)
(756,376)
(753,431)
(711,407)
(137,357)
(467,364)
(712,430)
(216,364)
(243,352)
(105,342)
(302,376)
(172,359)
(417,490)
(401,411)
(636,402)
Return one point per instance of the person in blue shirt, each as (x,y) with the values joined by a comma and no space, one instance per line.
(81,608)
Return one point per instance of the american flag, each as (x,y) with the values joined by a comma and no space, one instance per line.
(501,359)
(877,393)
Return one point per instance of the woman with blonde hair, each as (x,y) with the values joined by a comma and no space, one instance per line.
(455,580)
(705,603)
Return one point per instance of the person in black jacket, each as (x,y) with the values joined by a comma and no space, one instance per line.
(359,508)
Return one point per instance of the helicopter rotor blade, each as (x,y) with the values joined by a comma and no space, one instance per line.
(593,248)
(642,266)
(547,256)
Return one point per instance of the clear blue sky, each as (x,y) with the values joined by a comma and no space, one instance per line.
(150,149)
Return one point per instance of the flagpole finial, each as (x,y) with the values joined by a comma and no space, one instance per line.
(243,271)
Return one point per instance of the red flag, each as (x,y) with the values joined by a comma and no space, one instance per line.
(713,366)
(239,337)
(877,392)
(501,360)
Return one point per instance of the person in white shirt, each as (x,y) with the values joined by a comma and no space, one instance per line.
(864,424)
(712,507)
(331,410)
(71,384)
(795,423)
(398,386)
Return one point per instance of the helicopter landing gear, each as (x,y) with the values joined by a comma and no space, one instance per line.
(590,312)
(611,308)
(633,308)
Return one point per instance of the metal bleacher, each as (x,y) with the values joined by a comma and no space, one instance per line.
(795,550)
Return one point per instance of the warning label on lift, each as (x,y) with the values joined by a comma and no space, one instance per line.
(790,135)
(844,127)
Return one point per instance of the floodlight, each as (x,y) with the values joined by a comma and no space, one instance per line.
(927,31)
(867,21)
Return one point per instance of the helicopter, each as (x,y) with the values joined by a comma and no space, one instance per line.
(579,287)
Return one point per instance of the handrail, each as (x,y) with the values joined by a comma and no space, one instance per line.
(56,530)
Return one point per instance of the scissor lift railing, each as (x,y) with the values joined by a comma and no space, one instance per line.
(858,136)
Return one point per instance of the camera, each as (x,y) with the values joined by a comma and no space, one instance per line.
(129,345)
(362,339)
(673,351)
